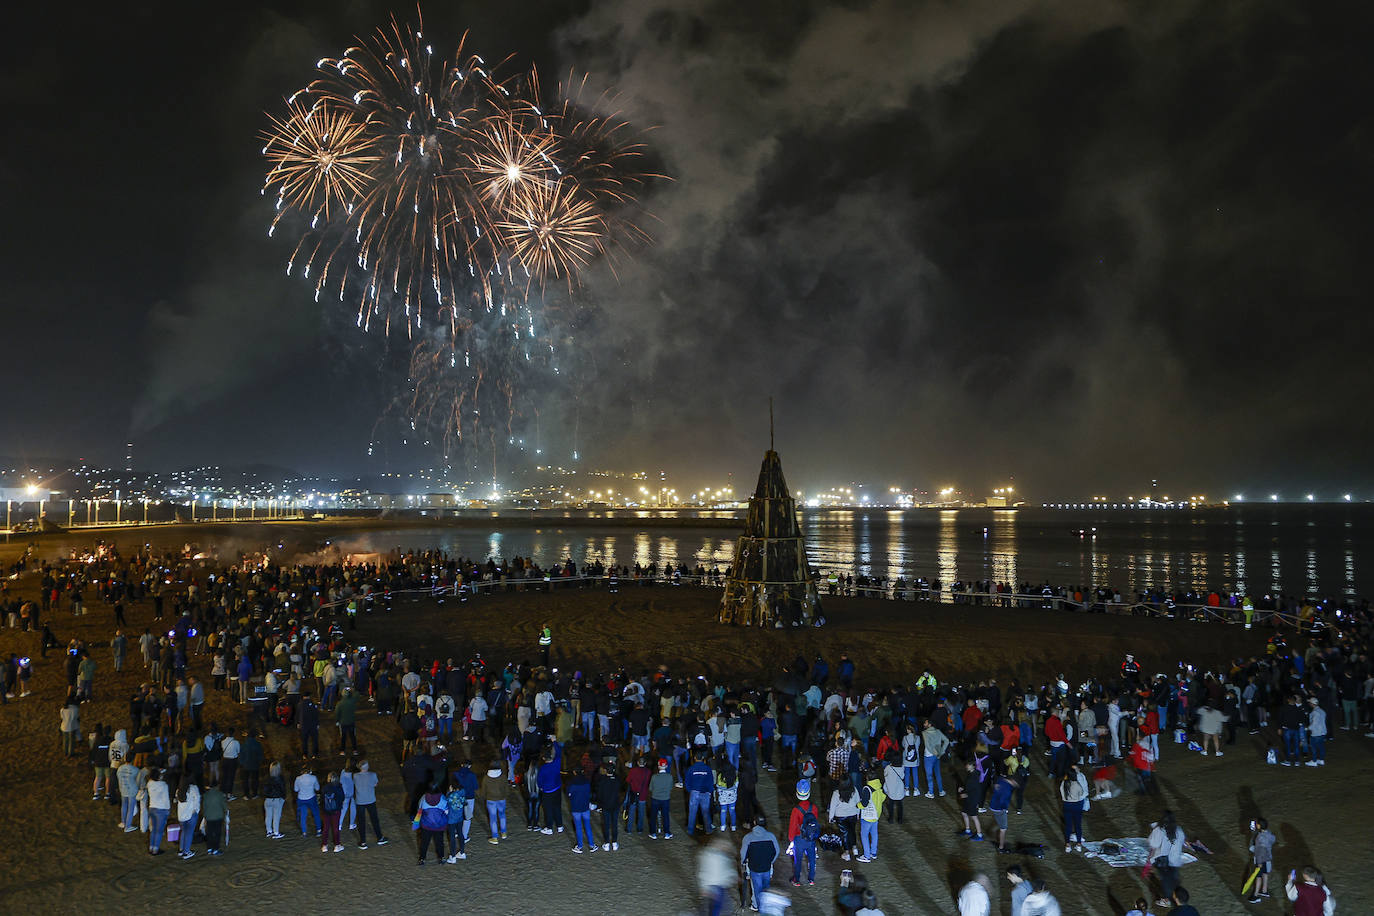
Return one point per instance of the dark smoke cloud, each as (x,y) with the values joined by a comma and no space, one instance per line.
(1063,241)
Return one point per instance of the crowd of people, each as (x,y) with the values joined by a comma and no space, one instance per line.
(655,753)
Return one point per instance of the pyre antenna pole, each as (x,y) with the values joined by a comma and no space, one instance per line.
(770,424)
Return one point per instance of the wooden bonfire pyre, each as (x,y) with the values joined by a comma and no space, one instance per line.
(770,582)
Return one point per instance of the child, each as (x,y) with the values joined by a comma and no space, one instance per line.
(1142,908)
(1262,854)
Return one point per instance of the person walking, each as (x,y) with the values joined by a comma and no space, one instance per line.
(273,800)
(716,874)
(803,828)
(1166,854)
(1262,855)
(757,854)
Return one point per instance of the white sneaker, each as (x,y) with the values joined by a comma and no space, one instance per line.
(930,795)
(865,859)
(547,831)
(450,860)
(1313,763)
(1221,754)
(605,847)
(578,850)
(338,847)
(615,847)
(461,856)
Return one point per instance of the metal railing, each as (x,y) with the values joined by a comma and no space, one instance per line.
(475,589)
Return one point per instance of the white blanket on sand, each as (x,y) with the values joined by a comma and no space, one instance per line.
(1135,853)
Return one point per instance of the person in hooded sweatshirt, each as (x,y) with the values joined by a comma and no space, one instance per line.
(493,793)
(758,852)
(1040,902)
(606,791)
(127,779)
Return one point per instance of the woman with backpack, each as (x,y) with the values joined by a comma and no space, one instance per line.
(1166,855)
(331,809)
(431,820)
(1073,792)
(188,812)
(457,802)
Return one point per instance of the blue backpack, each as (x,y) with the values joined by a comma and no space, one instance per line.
(810,827)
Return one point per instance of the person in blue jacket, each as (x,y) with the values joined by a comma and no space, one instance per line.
(700,781)
(551,788)
(580,804)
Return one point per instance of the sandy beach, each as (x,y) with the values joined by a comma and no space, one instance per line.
(67,855)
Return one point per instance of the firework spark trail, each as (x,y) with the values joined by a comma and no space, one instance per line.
(429,192)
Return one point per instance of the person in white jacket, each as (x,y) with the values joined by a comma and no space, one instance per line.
(1040,902)
(975,898)
(159,797)
(188,810)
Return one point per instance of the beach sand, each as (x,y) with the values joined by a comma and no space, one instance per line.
(63,852)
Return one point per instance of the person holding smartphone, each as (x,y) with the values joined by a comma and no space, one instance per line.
(1262,853)
(1310,895)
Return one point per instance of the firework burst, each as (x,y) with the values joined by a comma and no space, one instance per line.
(427,192)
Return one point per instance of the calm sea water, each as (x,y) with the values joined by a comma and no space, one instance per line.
(1321,550)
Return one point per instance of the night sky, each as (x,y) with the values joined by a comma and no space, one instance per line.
(1082,243)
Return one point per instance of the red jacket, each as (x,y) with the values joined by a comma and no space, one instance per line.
(1151,726)
(1054,729)
(972,716)
(794,824)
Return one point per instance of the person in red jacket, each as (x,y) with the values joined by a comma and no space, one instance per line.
(1309,897)
(1059,744)
(1148,724)
(1144,763)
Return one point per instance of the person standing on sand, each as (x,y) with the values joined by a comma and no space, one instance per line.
(545,644)
(273,800)
(365,797)
(307,788)
(159,808)
(660,795)
(70,717)
(933,747)
(493,793)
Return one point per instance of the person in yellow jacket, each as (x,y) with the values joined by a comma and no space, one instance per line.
(870,801)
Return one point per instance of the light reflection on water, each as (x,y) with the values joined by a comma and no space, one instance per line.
(1128,550)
